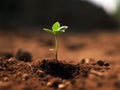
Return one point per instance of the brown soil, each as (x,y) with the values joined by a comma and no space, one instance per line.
(87,62)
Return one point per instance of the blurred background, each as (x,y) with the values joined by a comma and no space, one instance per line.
(79,15)
(96,22)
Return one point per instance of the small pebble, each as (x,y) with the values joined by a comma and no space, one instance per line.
(5,79)
(53,83)
(49,84)
(11,60)
(25,76)
(60,86)
(85,60)
(40,73)
(96,73)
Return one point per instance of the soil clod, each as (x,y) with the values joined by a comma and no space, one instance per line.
(23,56)
(100,62)
(8,55)
(106,64)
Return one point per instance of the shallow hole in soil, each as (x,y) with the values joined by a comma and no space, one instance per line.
(60,68)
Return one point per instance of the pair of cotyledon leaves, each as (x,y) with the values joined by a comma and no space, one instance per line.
(56,29)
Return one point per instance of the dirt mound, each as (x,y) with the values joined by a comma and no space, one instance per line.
(60,69)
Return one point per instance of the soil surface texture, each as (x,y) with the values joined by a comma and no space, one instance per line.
(86,61)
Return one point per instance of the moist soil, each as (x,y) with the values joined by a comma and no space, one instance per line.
(24,70)
(54,74)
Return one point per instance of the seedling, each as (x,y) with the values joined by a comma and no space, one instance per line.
(56,30)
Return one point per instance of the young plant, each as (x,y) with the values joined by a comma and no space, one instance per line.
(56,30)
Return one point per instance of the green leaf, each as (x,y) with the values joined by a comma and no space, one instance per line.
(49,31)
(56,26)
(56,29)
(59,32)
(63,27)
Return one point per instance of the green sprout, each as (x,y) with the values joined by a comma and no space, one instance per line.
(56,30)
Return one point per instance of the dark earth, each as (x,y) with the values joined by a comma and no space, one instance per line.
(87,61)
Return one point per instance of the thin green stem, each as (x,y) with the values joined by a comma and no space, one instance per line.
(56,47)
